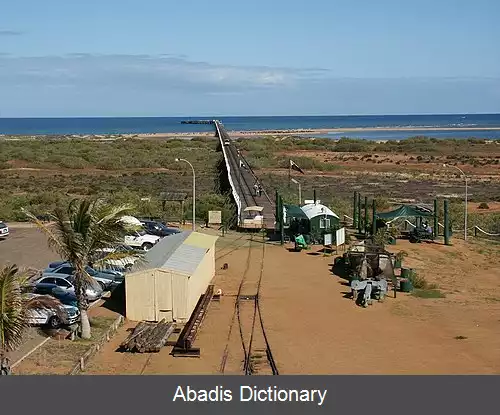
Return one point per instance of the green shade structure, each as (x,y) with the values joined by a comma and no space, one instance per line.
(405,211)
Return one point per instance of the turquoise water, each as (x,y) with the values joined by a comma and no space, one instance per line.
(131,125)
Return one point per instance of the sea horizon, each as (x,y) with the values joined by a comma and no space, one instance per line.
(464,125)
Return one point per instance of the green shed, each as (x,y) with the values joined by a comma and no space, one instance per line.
(321,219)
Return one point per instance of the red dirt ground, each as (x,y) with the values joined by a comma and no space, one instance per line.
(313,329)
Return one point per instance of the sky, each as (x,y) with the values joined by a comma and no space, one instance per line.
(61,58)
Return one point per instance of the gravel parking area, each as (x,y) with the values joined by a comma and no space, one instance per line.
(27,247)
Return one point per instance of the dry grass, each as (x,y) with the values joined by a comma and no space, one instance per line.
(57,357)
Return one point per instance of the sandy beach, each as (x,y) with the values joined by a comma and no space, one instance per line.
(255,133)
(311,131)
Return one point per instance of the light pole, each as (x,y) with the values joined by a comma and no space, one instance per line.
(300,190)
(194,192)
(466,191)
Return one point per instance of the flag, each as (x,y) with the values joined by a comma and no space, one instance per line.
(294,166)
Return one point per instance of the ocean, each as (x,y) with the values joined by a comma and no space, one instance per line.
(136,125)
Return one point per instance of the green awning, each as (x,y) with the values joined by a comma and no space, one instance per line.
(405,211)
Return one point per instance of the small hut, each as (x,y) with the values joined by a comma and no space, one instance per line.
(321,219)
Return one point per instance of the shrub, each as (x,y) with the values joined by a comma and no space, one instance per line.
(418,281)
(483,205)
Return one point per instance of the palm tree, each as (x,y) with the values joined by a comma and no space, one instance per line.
(77,233)
(15,305)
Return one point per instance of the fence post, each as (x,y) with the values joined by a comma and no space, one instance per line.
(446,224)
(355,211)
(359,213)
(282,227)
(374,220)
(366,216)
(436,219)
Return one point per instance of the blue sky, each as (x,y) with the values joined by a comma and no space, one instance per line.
(274,57)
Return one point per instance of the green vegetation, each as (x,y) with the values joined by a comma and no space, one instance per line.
(15,306)
(423,289)
(430,293)
(108,155)
(41,174)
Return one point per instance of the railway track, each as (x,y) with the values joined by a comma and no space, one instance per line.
(254,354)
(232,248)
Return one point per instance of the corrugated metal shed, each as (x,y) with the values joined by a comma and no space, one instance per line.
(181,252)
(159,254)
(171,279)
(185,259)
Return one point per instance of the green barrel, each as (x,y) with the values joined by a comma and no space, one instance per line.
(405,286)
(406,272)
(398,263)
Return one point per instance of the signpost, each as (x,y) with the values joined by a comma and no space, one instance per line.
(327,241)
(214,217)
(340,237)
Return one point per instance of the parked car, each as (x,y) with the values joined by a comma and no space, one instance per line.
(65,297)
(4,230)
(67,315)
(141,239)
(46,285)
(119,264)
(106,278)
(158,228)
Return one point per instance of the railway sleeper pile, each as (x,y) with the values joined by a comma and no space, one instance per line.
(148,337)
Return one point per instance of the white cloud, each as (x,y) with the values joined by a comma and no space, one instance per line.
(159,72)
(83,84)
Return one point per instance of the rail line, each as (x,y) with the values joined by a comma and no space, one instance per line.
(257,331)
(235,310)
(234,248)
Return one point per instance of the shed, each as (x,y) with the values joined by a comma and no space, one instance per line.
(321,218)
(169,281)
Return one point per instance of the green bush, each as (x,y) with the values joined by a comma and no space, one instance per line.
(418,281)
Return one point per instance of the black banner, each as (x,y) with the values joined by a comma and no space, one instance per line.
(289,395)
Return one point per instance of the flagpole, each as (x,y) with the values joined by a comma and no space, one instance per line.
(289,172)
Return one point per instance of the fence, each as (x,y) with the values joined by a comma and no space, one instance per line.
(84,359)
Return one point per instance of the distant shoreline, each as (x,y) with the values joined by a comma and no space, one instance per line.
(304,131)
(248,133)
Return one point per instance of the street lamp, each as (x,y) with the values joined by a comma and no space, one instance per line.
(300,190)
(465,176)
(194,192)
